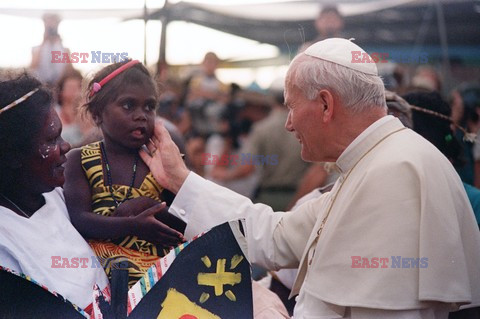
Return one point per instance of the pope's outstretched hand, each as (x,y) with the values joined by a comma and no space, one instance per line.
(164,159)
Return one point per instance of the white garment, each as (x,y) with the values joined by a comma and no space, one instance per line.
(28,245)
(397,195)
(287,276)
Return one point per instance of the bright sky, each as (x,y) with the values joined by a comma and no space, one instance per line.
(186,43)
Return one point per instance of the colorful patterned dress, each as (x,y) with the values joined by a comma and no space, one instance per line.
(140,254)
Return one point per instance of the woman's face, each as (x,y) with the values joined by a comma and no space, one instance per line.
(44,167)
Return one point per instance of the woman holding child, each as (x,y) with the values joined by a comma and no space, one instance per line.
(35,224)
(36,229)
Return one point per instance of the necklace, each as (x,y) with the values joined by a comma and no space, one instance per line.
(16,206)
(109,176)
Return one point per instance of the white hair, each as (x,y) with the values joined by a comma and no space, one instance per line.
(357,91)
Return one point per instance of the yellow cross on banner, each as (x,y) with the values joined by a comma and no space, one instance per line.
(219,278)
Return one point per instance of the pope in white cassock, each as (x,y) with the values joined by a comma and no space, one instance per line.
(395,237)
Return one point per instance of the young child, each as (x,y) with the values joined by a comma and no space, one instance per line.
(111,196)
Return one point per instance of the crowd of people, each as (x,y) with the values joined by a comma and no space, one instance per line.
(330,172)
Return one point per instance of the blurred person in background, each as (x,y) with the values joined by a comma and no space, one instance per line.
(316,176)
(169,100)
(329,23)
(465,110)
(195,150)
(246,108)
(206,97)
(465,101)
(69,93)
(426,78)
(41,65)
(279,162)
(435,126)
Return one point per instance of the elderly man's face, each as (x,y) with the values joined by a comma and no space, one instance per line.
(304,120)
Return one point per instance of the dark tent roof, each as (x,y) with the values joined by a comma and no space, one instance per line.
(404,23)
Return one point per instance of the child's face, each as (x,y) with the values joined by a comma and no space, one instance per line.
(129,119)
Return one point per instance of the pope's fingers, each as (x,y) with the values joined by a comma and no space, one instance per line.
(161,134)
(152,148)
(155,141)
(146,157)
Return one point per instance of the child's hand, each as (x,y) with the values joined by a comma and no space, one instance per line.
(147,227)
(134,206)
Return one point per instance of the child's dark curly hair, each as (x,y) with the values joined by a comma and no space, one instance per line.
(135,75)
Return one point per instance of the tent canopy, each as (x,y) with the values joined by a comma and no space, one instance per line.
(396,26)
(373,24)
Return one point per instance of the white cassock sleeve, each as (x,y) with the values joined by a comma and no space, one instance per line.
(275,240)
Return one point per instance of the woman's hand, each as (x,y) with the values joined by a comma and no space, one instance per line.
(164,160)
(147,227)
